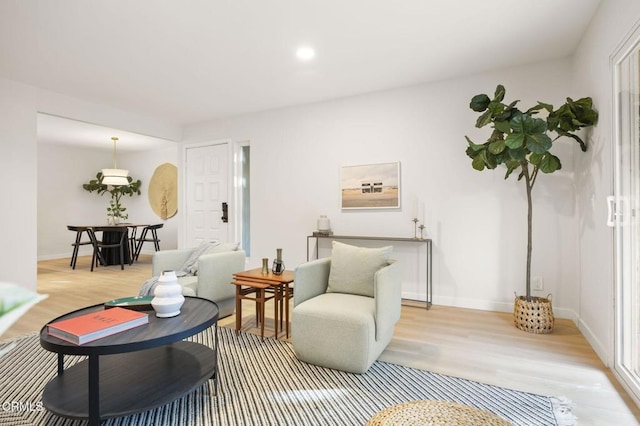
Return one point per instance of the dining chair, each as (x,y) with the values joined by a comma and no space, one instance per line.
(132,240)
(118,242)
(79,230)
(150,239)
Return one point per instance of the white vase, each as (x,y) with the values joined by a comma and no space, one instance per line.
(323,224)
(167,296)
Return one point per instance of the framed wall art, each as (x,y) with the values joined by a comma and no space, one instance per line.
(370,186)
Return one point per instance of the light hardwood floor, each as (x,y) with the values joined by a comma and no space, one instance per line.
(477,345)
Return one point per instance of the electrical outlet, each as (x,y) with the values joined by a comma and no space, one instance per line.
(537,283)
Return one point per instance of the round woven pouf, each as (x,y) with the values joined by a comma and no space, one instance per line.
(435,413)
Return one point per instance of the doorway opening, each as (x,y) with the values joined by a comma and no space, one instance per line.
(242,174)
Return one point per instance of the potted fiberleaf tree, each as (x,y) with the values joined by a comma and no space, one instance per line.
(115,211)
(521,142)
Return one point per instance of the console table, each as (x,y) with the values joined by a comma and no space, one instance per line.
(146,366)
(416,241)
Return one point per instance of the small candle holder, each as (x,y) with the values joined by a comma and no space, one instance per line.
(278,264)
(415,228)
(421,231)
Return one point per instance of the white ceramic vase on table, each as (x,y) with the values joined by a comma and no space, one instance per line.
(168,298)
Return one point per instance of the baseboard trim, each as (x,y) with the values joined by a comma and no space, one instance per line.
(492,305)
(80,253)
(600,349)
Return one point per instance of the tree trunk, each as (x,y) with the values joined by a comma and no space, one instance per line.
(527,179)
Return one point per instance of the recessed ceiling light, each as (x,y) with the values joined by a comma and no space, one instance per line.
(305,53)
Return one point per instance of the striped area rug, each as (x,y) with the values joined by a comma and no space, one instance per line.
(262,383)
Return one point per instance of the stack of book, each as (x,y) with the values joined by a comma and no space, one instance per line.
(96,325)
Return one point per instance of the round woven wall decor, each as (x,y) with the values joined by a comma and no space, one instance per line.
(163,191)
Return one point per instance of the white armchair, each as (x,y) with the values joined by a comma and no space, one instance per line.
(345,327)
(214,276)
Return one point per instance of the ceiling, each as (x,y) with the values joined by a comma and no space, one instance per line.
(63,131)
(189,61)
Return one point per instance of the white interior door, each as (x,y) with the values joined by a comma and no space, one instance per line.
(207,188)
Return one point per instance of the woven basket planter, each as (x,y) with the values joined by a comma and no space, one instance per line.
(534,316)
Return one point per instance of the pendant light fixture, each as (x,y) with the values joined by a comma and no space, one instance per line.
(115,176)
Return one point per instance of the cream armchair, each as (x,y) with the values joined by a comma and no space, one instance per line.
(214,274)
(340,329)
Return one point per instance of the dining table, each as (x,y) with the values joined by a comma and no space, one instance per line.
(111,256)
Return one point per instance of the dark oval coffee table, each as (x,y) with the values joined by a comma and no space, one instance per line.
(134,370)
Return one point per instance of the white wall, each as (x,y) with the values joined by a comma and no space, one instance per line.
(477,220)
(19,184)
(61,200)
(594,181)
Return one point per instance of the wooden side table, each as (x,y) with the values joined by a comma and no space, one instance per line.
(253,282)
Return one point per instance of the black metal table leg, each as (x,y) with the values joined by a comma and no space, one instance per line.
(60,364)
(217,370)
(94,390)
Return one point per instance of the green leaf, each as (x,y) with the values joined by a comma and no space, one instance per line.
(479,103)
(502,126)
(533,110)
(519,122)
(489,159)
(514,140)
(511,166)
(502,157)
(586,103)
(583,146)
(535,158)
(538,126)
(550,163)
(552,123)
(478,163)
(497,147)
(474,146)
(509,112)
(539,143)
(499,93)
(496,107)
(524,123)
(518,154)
(484,119)
(542,105)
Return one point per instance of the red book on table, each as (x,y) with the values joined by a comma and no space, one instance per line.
(96,325)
